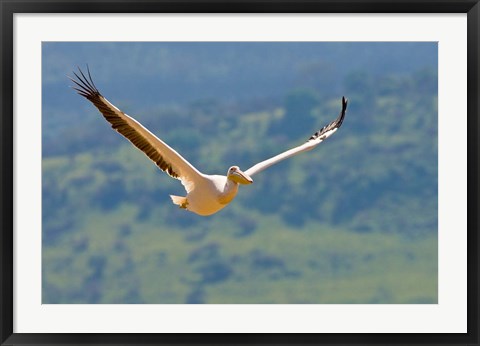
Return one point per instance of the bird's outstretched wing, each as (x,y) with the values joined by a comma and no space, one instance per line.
(166,158)
(317,138)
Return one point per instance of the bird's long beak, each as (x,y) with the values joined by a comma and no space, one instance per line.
(241,178)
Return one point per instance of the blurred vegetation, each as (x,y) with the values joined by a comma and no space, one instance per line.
(354,221)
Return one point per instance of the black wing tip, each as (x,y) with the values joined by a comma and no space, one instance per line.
(340,118)
(344,104)
(84,85)
(334,124)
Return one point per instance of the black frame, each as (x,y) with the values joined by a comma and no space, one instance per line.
(9,7)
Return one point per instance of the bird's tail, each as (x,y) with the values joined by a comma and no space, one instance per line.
(180,201)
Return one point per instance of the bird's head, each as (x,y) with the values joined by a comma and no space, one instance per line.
(236,175)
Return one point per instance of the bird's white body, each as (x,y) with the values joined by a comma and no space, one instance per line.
(206,194)
(210,194)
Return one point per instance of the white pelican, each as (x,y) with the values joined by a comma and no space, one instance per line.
(206,194)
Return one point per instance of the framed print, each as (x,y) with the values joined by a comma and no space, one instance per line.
(239,173)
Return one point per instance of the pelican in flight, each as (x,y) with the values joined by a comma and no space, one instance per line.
(206,194)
